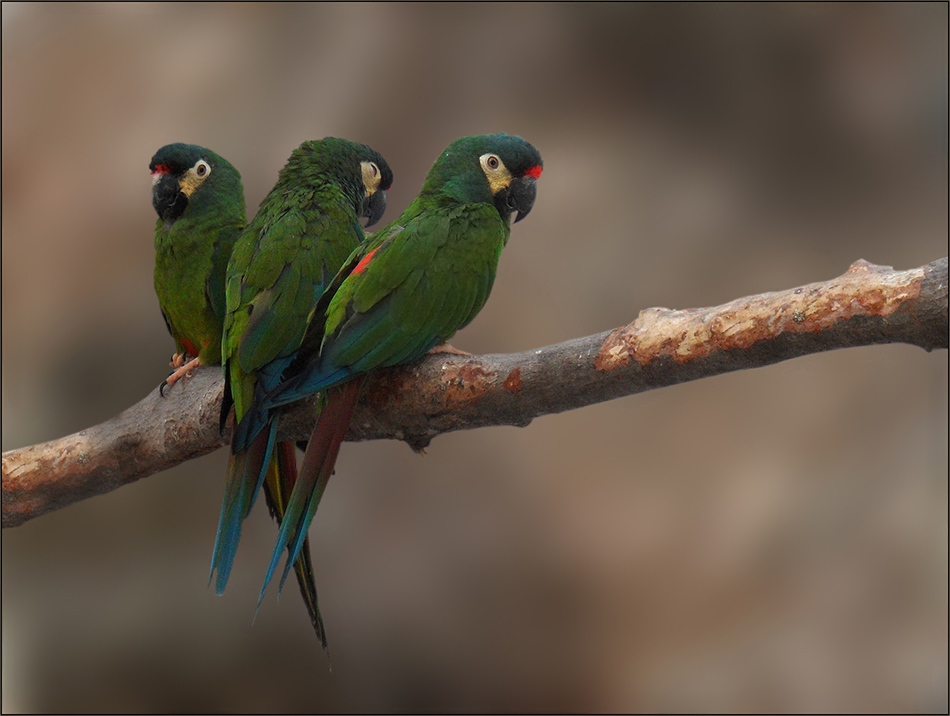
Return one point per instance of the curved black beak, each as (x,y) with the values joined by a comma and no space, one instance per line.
(521,195)
(168,198)
(374,206)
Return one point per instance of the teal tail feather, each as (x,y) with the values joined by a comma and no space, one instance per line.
(246,472)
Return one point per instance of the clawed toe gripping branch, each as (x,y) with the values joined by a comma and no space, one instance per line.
(443,392)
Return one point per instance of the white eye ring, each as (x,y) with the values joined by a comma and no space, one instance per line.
(374,168)
(491,162)
(202,169)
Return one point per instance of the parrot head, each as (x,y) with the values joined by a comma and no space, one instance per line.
(498,169)
(361,172)
(183,173)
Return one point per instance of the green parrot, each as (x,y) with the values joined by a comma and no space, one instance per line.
(410,288)
(303,232)
(200,204)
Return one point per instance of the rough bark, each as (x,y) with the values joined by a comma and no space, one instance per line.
(445,392)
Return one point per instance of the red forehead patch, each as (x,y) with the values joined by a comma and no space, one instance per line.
(533,172)
(161,169)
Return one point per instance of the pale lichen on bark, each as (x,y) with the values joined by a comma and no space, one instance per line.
(698,332)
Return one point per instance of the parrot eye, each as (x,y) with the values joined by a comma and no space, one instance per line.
(194,177)
(491,163)
(495,171)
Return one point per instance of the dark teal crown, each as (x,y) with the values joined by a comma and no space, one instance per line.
(179,158)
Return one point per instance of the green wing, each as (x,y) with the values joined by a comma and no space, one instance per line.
(413,287)
(272,286)
(427,281)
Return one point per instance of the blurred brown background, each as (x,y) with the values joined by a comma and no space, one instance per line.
(772,540)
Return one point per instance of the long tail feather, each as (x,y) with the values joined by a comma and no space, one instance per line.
(322,451)
(254,475)
(246,471)
(278,485)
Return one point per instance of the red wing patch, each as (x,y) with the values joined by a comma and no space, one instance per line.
(361,266)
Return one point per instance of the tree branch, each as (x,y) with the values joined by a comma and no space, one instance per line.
(445,392)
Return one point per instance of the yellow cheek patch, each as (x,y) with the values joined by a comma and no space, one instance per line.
(371,177)
(498,181)
(498,176)
(189,183)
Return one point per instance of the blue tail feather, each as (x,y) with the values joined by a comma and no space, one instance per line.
(246,471)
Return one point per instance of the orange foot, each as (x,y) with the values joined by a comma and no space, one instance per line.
(180,372)
(179,359)
(446,348)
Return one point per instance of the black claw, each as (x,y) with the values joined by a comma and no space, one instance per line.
(161,388)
